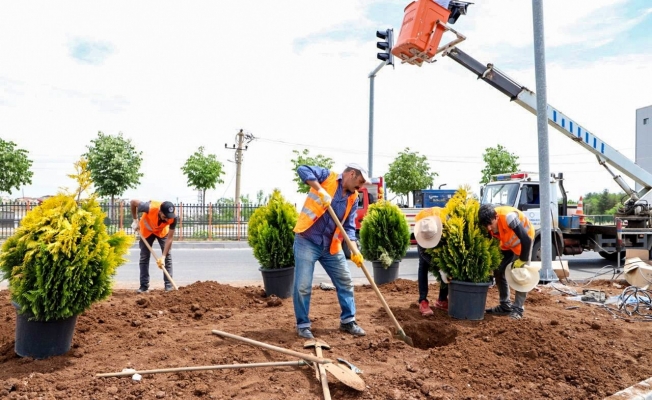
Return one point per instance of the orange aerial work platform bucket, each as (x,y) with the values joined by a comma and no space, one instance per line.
(423,26)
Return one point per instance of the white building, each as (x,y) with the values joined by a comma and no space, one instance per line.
(644,139)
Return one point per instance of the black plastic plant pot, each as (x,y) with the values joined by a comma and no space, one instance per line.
(42,339)
(467,300)
(278,282)
(384,275)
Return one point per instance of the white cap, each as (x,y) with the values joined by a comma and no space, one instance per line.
(363,171)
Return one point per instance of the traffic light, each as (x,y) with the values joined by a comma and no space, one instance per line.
(386,46)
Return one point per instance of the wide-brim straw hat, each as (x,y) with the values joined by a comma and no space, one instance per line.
(427,231)
(522,279)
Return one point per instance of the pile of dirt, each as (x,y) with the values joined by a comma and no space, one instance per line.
(562,349)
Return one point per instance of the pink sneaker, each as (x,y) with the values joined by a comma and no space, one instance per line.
(424,308)
(441,305)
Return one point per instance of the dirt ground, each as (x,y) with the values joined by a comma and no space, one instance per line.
(556,352)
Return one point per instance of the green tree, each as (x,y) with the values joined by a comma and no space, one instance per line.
(408,172)
(114,164)
(14,167)
(304,158)
(498,161)
(203,171)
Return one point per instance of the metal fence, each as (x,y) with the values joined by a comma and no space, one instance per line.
(196,221)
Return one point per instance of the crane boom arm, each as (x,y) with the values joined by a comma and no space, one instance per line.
(558,120)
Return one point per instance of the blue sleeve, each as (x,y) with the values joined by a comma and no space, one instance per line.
(349,224)
(312,173)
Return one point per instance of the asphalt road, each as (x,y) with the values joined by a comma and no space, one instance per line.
(238,267)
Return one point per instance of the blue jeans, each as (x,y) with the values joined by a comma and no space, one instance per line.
(306,254)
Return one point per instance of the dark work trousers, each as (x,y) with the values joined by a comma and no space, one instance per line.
(503,287)
(144,260)
(425,260)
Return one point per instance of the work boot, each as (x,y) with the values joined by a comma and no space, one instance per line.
(441,305)
(501,309)
(515,315)
(353,329)
(142,289)
(305,333)
(424,308)
(169,287)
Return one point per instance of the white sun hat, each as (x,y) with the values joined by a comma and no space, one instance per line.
(522,279)
(638,273)
(427,231)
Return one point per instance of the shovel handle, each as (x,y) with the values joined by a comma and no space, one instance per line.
(366,272)
(203,368)
(165,271)
(303,356)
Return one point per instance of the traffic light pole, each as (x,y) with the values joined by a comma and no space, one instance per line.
(372,76)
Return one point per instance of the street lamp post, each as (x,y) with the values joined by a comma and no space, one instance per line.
(372,76)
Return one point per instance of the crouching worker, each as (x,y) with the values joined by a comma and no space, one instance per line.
(427,232)
(317,238)
(515,233)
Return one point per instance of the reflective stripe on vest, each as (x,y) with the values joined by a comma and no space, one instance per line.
(313,208)
(149,222)
(508,238)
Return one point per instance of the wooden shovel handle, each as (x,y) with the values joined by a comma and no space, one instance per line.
(204,368)
(303,356)
(165,271)
(364,269)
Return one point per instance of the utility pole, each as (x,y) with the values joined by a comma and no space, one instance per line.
(546,274)
(240,138)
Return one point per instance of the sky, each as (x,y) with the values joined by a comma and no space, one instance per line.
(174,76)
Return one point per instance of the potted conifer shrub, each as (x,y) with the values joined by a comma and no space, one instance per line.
(384,239)
(467,255)
(271,236)
(58,263)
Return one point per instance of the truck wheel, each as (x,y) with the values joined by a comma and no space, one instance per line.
(536,250)
(611,256)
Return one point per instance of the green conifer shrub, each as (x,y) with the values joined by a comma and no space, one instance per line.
(465,251)
(384,234)
(61,259)
(271,233)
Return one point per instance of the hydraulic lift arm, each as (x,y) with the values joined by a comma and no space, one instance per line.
(527,99)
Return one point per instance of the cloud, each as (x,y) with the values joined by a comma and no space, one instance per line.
(89,52)
(295,75)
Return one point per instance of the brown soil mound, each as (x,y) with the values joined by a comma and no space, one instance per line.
(562,349)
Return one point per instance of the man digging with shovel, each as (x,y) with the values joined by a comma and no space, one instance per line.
(157,223)
(317,238)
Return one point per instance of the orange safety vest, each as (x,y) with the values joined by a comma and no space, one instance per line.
(507,237)
(313,208)
(149,223)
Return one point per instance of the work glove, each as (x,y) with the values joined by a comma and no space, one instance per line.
(518,263)
(160,262)
(357,259)
(324,197)
(134,225)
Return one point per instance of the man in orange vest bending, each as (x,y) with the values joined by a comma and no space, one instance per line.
(157,223)
(515,233)
(318,239)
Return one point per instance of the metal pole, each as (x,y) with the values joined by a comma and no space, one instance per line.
(546,273)
(238,163)
(372,76)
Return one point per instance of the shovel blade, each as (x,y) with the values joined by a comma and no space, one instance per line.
(401,335)
(346,376)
